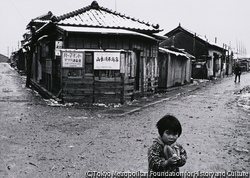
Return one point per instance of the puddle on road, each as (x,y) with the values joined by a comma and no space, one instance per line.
(244,98)
(13,99)
(7,90)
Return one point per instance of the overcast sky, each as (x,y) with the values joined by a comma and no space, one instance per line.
(227,20)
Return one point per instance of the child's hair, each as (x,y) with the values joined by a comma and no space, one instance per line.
(169,122)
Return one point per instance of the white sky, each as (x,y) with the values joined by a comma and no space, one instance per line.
(228,20)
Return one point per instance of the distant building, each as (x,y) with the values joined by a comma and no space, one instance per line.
(210,59)
(3,58)
(174,67)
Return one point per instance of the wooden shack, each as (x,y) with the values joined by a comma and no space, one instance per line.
(174,67)
(206,53)
(3,58)
(85,57)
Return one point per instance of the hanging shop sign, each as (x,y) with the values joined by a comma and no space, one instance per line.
(58,47)
(72,59)
(107,60)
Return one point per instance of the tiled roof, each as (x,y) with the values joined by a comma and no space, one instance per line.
(96,16)
(45,18)
(42,19)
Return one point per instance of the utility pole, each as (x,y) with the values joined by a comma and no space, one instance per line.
(194,46)
(237,48)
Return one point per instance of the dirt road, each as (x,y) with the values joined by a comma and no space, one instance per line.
(38,140)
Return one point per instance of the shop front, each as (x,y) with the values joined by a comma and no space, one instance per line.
(85,57)
(92,67)
(114,70)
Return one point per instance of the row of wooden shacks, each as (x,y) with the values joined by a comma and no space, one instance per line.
(96,55)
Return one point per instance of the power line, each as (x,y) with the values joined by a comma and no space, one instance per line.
(17,11)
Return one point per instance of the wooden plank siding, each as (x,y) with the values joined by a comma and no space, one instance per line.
(108,91)
(174,70)
(88,90)
(138,69)
(78,89)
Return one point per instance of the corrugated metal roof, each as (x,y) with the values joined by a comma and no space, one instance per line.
(172,52)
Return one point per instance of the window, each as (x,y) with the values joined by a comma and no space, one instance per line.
(79,43)
(72,42)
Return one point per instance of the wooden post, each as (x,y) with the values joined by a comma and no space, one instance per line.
(142,75)
(122,90)
(194,45)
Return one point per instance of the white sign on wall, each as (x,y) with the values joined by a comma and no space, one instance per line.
(72,59)
(107,60)
(58,47)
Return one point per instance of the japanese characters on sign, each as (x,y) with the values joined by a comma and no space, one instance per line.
(72,59)
(58,47)
(107,60)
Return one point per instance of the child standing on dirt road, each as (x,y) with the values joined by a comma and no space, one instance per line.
(165,156)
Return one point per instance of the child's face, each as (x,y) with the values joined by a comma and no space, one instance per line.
(169,137)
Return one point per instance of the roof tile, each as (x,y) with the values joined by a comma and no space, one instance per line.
(96,16)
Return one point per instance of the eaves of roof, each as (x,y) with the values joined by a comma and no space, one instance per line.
(42,19)
(46,16)
(110,31)
(26,43)
(43,27)
(164,50)
(216,46)
(93,30)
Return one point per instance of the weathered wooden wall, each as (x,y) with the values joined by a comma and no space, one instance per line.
(138,73)
(80,89)
(174,70)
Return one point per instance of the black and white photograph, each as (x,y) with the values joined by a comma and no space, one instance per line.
(124,88)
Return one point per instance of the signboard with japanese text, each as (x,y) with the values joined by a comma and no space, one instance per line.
(72,59)
(106,60)
(58,47)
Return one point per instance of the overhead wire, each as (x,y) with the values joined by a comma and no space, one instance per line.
(13,19)
(18,11)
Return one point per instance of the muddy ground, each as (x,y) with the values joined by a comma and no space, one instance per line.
(38,140)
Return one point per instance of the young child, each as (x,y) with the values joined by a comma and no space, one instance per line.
(165,155)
